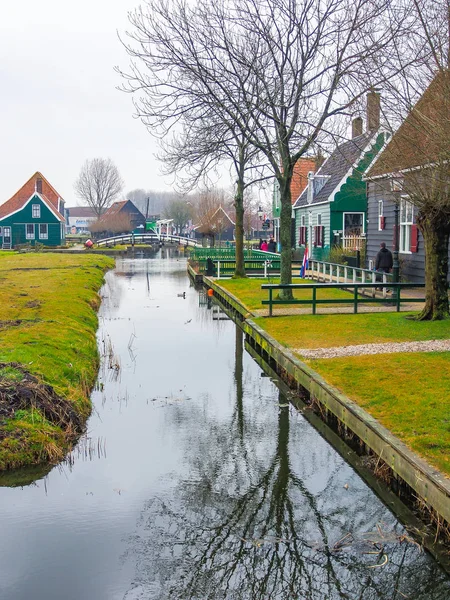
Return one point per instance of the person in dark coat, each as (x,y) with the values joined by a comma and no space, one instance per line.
(272,246)
(384,260)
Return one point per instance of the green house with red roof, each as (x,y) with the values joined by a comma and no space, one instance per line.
(35,214)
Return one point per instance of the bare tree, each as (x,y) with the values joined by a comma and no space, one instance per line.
(291,66)
(180,212)
(204,144)
(98,184)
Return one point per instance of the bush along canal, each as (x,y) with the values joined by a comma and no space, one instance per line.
(198,478)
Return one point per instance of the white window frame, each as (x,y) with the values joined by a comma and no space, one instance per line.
(353,213)
(36,211)
(63,231)
(43,236)
(1,231)
(406,223)
(380,213)
(303,221)
(29,236)
(319,219)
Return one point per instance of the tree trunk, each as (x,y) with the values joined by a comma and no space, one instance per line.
(285,235)
(436,239)
(239,206)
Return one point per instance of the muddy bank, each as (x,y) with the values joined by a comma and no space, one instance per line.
(35,422)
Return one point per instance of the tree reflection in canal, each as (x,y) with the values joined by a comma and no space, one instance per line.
(259,520)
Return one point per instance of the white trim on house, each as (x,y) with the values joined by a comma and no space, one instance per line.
(42,236)
(348,174)
(393,174)
(48,204)
(30,236)
(389,137)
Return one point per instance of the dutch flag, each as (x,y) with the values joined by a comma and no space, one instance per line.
(304,263)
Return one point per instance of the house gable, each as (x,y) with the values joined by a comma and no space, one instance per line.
(37,183)
(422,137)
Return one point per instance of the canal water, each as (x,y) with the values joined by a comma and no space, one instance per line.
(197,479)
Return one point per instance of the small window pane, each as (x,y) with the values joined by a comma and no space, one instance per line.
(36,211)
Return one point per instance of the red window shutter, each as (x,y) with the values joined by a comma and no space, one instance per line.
(395,237)
(414,238)
(300,236)
(322,236)
(315,235)
(382,222)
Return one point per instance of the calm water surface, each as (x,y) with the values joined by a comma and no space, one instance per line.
(196,479)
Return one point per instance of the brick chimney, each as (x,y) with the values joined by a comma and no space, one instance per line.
(373,111)
(357,127)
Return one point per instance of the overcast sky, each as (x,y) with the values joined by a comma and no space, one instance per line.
(58,99)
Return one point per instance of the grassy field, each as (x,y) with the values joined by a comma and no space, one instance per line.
(326,331)
(409,393)
(48,321)
(249,291)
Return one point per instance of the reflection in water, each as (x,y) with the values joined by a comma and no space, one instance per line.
(274,524)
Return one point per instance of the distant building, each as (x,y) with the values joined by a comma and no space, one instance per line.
(34,214)
(121,217)
(214,225)
(79,219)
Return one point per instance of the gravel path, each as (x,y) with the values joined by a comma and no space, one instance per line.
(387,348)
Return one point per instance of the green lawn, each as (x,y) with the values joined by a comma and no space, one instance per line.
(249,291)
(325,331)
(408,393)
(48,322)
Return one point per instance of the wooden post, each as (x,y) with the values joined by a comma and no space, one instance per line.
(270,302)
(355,300)
(374,280)
(314,301)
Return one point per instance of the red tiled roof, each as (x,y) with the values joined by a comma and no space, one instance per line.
(49,195)
(300,176)
(424,136)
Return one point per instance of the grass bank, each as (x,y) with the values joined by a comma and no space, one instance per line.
(409,393)
(48,321)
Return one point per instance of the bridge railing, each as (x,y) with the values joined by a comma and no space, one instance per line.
(136,238)
(335,273)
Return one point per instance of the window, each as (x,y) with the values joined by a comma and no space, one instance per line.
(319,236)
(29,231)
(302,231)
(43,231)
(319,219)
(36,211)
(381,218)
(406,226)
(63,231)
(1,231)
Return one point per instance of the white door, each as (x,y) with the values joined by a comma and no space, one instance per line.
(7,237)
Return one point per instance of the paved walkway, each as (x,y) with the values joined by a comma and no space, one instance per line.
(386,348)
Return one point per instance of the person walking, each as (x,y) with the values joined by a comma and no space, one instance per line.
(264,246)
(271,246)
(384,260)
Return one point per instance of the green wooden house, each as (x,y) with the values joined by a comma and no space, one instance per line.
(34,214)
(332,209)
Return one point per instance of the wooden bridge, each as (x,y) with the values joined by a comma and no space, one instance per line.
(148,237)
